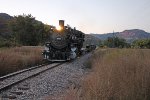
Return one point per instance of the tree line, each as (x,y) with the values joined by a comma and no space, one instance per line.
(115,42)
(26,30)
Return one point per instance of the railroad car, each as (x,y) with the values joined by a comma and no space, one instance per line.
(64,43)
(90,48)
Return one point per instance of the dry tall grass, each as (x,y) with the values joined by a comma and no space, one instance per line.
(13,59)
(118,74)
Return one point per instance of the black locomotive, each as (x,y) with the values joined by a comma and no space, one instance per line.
(64,43)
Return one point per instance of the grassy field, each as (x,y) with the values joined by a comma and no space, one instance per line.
(13,59)
(117,74)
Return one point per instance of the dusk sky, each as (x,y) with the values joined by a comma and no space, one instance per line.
(89,16)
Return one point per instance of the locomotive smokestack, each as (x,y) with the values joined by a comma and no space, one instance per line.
(61,23)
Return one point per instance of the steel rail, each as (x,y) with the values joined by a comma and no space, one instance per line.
(17,73)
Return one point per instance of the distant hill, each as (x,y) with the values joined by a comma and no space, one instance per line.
(5,16)
(129,35)
(4,19)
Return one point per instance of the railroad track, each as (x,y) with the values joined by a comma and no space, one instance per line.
(21,71)
(17,77)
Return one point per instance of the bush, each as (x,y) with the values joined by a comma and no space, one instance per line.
(144,43)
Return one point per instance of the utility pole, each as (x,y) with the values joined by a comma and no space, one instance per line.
(113,39)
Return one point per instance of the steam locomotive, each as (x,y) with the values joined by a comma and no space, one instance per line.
(64,43)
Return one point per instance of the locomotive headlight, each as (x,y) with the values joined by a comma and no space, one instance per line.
(59,28)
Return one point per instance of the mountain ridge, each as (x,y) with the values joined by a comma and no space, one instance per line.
(5,16)
(129,35)
(4,29)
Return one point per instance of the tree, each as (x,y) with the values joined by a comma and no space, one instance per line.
(27,30)
(144,43)
(116,42)
(47,32)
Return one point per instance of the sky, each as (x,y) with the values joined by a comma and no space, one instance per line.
(89,16)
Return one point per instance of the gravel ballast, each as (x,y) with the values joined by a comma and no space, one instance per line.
(50,83)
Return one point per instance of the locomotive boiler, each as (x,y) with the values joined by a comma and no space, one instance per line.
(64,43)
